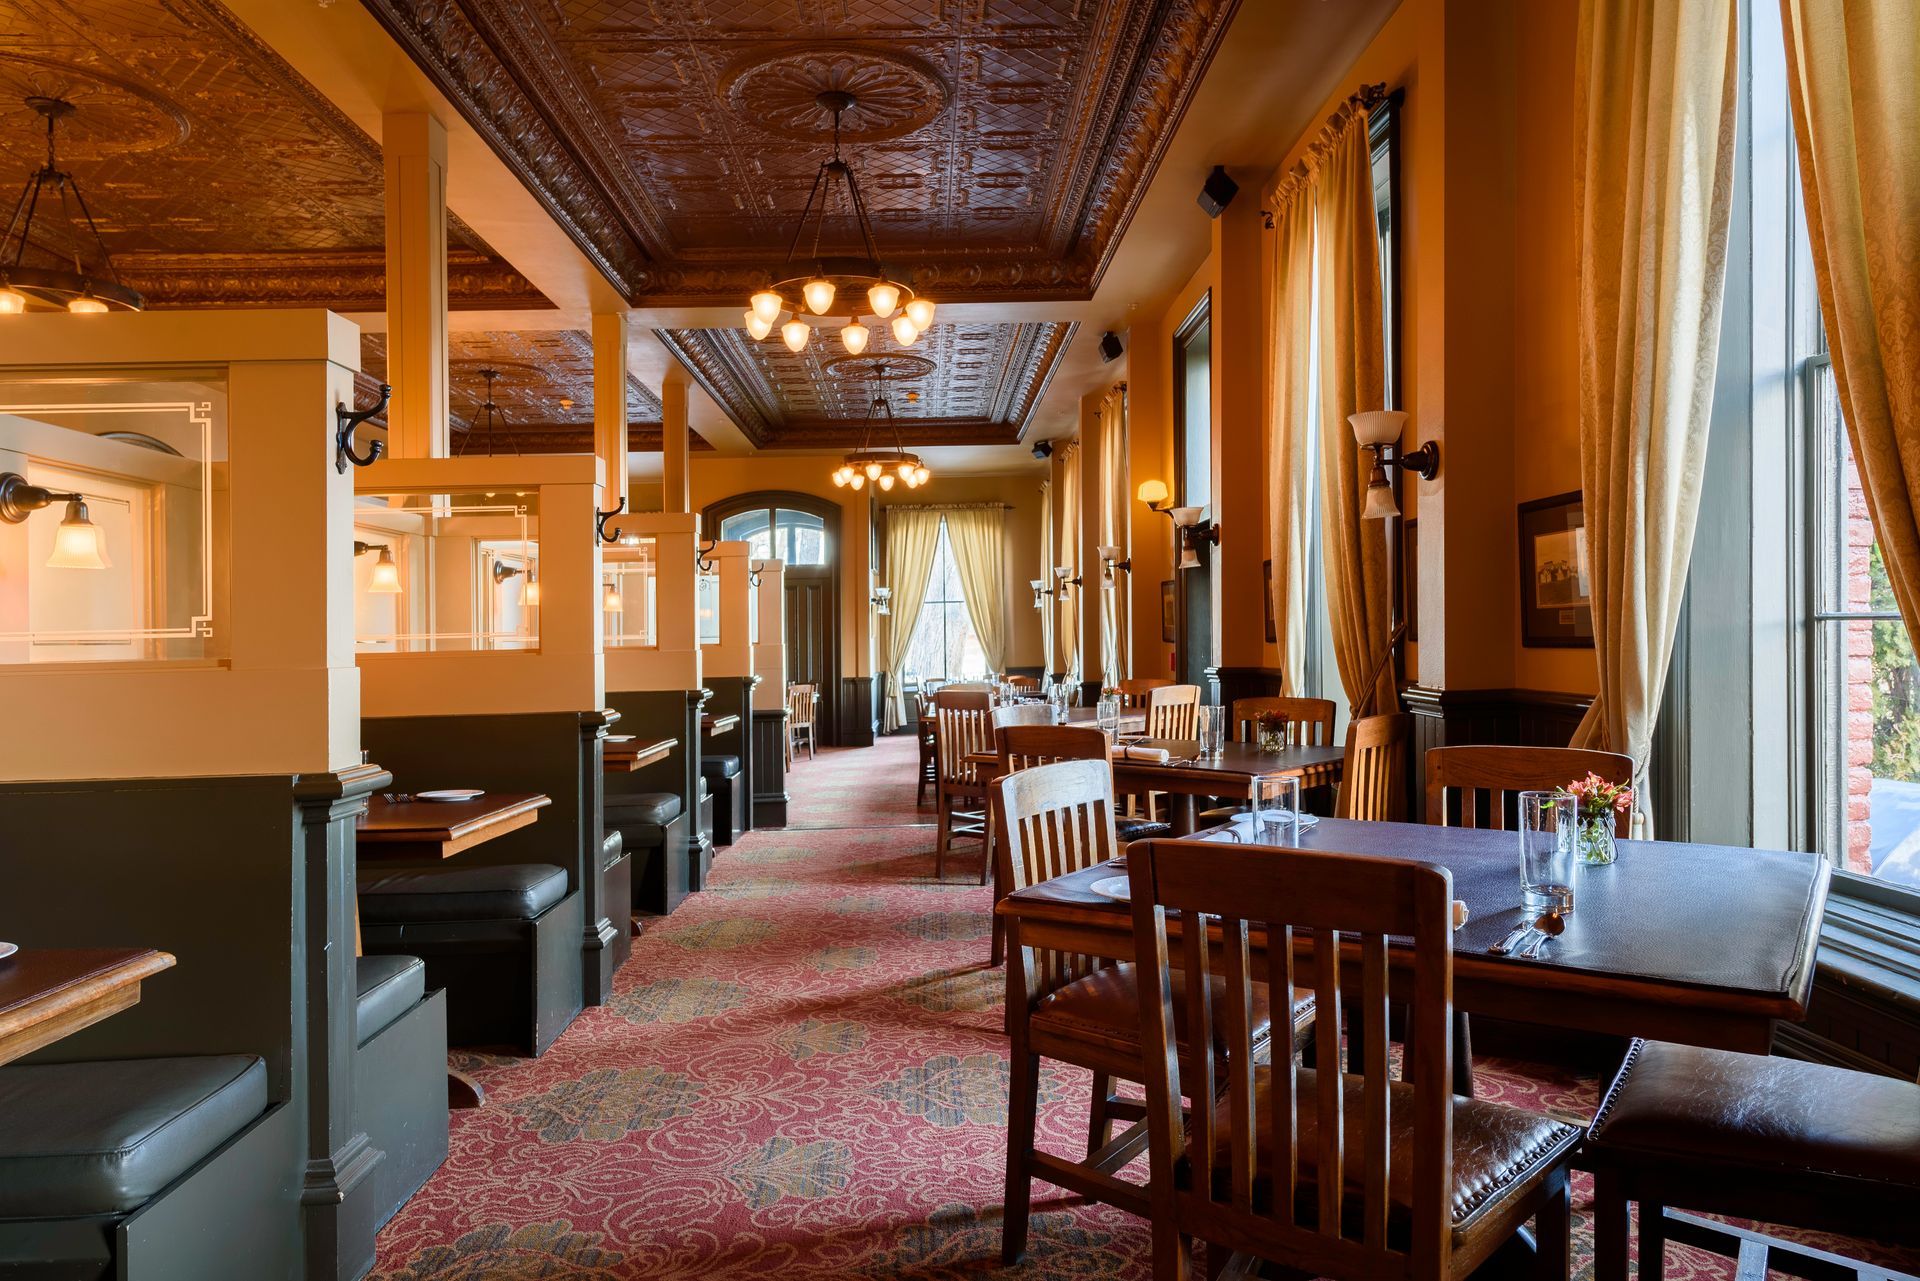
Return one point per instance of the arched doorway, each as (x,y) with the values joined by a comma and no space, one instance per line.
(802,530)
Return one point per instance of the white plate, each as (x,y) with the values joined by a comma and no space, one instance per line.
(450,794)
(8,949)
(1113,887)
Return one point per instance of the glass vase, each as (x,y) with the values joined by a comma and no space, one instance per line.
(1273,740)
(1596,846)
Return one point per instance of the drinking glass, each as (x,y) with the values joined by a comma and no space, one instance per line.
(1057,703)
(1210,727)
(1276,810)
(1107,711)
(1546,851)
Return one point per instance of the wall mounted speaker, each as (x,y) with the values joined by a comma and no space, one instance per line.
(1110,347)
(1218,192)
(1043,450)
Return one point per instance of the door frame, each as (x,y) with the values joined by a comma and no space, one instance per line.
(1199,317)
(828,511)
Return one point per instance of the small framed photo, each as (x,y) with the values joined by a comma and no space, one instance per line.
(1266,573)
(1556,584)
(1169,613)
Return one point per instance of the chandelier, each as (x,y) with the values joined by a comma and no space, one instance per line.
(57,286)
(801,298)
(881,466)
(488,407)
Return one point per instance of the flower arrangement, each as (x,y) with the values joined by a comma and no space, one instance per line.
(1597,803)
(1274,729)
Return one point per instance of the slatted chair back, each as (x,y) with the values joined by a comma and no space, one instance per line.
(1309,721)
(1058,818)
(1022,714)
(1462,774)
(1026,746)
(1134,693)
(1373,776)
(962,727)
(800,700)
(1173,711)
(1024,682)
(1316,1194)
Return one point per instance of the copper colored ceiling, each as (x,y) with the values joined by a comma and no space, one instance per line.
(537,371)
(217,174)
(1001,144)
(977,383)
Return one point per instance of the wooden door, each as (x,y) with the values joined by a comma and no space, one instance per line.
(811,654)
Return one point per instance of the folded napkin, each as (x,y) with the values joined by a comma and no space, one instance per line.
(1459,913)
(1151,755)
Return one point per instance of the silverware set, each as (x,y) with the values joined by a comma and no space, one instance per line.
(1529,939)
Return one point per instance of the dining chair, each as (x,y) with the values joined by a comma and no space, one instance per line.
(1497,771)
(1025,746)
(1373,775)
(801,699)
(1309,721)
(1025,683)
(929,772)
(1073,1008)
(1345,1174)
(1022,714)
(1173,711)
(962,728)
(1134,692)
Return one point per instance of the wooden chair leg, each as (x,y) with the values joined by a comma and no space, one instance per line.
(1609,1226)
(1023,1095)
(986,849)
(1099,1121)
(943,824)
(1653,1239)
(1553,1231)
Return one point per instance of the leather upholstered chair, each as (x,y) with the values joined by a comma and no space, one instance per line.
(1072,1008)
(1802,1145)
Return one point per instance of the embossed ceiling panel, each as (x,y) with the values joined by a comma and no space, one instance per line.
(215,172)
(977,383)
(543,395)
(1002,144)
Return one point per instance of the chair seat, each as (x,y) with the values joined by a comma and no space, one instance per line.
(720,766)
(642,807)
(1676,1101)
(387,987)
(510,892)
(1127,829)
(1102,1010)
(1499,1151)
(612,846)
(105,1138)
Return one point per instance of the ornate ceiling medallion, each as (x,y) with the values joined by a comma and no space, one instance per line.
(894,366)
(112,117)
(780,92)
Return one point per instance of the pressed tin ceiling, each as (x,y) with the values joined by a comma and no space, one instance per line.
(217,175)
(543,395)
(1002,144)
(974,382)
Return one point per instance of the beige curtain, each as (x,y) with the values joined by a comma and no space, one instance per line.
(1046,573)
(1654,102)
(978,537)
(1352,371)
(1851,67)
(1116,620)
(1067,610)
(913,534)
(1289,400)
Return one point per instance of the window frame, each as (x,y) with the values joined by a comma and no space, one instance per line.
(943,545)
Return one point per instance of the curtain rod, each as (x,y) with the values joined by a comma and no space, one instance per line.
(1282,193)
(954,507)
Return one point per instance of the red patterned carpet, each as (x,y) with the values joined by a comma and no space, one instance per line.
(801,1076)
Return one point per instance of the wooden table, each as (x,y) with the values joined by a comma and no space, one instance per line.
(410,830)
(1232,773)
(1700,944)
(718,725)
(50,993)
(625,754)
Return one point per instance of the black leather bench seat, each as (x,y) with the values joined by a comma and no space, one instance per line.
(105,1138)
(658,808)
(720,766)
(509,892)
(389,986)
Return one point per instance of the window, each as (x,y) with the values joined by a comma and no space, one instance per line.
(1193,371)
(779,533)
(945,646)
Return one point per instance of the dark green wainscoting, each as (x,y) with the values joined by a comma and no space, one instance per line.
(770,768)
(733,696)
(669,713)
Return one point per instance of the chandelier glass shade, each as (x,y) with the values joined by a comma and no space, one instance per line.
(69,267)
(878,465)
(836,291)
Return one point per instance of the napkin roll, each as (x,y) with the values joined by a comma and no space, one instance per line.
(1151,755)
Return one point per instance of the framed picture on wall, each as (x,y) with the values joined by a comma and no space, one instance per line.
(1410,577)
(1556,601)
(1169,613)
(1266,576)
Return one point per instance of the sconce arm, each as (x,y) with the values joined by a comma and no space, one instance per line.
(18,498)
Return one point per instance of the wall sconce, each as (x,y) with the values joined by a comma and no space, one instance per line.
(1061,573)
(503,571)
(610,601)
(1379,430)
(881,600)
(1154,494)
(1111,560)
(1040,593)
(1192,531)
(385,579)
(77,544)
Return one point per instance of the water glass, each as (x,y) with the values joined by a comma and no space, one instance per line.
(1548,824)
(1210,728)
(1107,712)
(1276,810)
(1057,702)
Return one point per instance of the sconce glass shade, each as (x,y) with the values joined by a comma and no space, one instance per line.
(757,327)
(87,306)
(610,600)
(1380,504)
(385,578)
(1378,426)
(920,312)
(854,336)
(1185,517)
(795,333)
(904,330)
(819,295)
(532,596)
(1152,492)
(1108,552)
(1189,559)
(78,544)
(883,298)
(12,302)
(768,305)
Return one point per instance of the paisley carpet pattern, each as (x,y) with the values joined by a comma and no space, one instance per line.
(801,1075)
